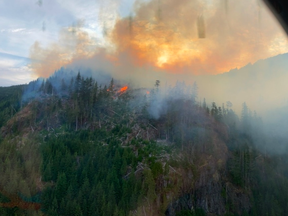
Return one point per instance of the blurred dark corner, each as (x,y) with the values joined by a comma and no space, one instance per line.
(280,11)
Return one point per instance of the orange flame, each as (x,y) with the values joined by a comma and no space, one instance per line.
(147,92)
(123,89)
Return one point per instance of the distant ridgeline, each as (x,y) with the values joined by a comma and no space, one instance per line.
(88,146)
(60,83)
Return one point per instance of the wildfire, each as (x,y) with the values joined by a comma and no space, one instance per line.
(123,89)
(147,92)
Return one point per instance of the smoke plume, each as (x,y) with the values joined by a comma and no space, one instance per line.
(167,36)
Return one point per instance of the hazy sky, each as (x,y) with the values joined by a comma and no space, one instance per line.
(22,22)
(32,31)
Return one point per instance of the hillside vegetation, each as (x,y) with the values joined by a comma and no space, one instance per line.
(10,102)
(76,147)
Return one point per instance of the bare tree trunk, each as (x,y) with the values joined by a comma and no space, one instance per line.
(144,210)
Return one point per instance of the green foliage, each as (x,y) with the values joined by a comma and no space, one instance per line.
(10,102)
(149,185)
(91,154)
(89,174)
(185,213)
(19,168)
(197,212)
(156,168)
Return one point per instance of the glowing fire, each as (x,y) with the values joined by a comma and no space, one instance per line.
(147,92)
(123,89)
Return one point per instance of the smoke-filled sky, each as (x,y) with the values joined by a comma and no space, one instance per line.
(25,22)
(134,38)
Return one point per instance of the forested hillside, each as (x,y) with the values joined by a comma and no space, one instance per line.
(10,102)
(80,147)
